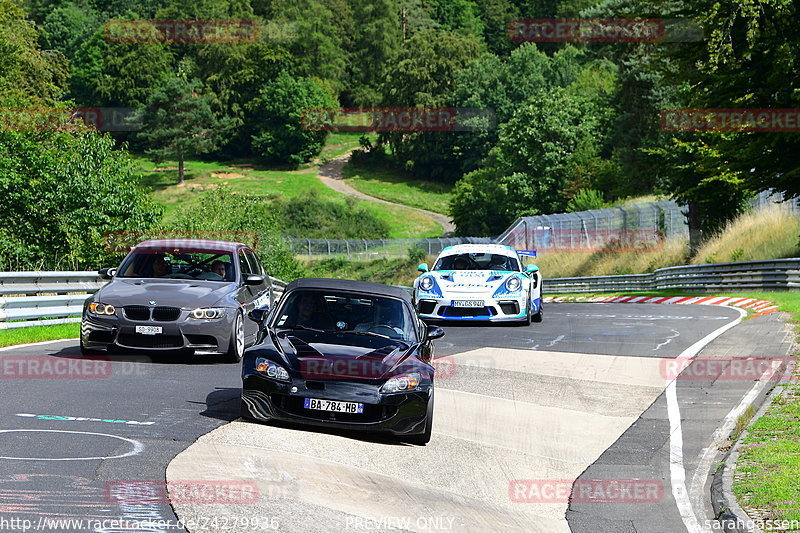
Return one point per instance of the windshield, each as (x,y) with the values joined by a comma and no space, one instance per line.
(477,261)
(345,312)
(175,264)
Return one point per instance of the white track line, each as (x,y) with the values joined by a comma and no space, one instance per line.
(676,468)
(721,434)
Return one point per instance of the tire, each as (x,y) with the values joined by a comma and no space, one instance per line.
(537,317)
(527,320)
(423,438)
(236,346)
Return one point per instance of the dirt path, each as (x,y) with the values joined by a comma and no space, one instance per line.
(330,174)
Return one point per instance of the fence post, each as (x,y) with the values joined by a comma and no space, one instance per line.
(309,248)
(347,244)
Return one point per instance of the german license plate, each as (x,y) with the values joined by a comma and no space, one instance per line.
(334,406)
(149,330)
(467,303)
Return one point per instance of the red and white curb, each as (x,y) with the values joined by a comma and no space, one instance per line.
(761,307)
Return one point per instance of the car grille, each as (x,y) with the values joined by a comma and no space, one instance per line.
(150,341)
(372,412)
(166,314)
(137,312)
(101,336)
(467,311)
(510,308)
(202,340)
(427,307)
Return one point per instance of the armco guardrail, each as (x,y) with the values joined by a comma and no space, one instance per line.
(777,274)
(56,296)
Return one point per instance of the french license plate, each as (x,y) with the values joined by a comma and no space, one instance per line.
(334,406)
(467,303)
(149,330)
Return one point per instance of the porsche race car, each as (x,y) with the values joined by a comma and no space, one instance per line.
(479,282)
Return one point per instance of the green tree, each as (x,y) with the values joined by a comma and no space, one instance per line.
(118,74)
(177,122)
(60,193)
(67,26)
(372,46)
(279,112)
(748,59)
(28,76)
(539,152)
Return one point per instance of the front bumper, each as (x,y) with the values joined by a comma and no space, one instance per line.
(203,337)
(399,414)
(503,309)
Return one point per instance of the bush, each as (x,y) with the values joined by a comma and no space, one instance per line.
(60,194)
(586,199)
(222,210)
(310,216)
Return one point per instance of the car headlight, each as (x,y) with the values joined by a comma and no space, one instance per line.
(97,308)
(401,383)
(426,283)
(207,312)
(272,370)
(513,284)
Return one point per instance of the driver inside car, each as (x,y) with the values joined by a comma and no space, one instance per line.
(461,263)
(388,315)
(160,267)
(312,313)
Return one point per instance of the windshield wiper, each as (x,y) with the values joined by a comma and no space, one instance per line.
(304,328)
(373,334)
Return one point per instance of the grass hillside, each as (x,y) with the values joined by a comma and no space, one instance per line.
(249,177)
(382,181)
(768,234)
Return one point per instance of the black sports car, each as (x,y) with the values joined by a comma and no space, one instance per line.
(340,353)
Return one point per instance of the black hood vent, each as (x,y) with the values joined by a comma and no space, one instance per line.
(302,348)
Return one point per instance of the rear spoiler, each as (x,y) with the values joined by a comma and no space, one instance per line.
(529,253)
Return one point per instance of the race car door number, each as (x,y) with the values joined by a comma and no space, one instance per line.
(467,303)
(149,330)
(336,407)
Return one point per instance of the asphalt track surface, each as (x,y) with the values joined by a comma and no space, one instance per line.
(547,402)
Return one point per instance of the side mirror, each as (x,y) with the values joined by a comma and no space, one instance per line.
(423,267)
(434,332)
(258,315)
(253,279)
(107,273)
(530,269)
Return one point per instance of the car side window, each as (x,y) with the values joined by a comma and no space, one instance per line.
(244,265)
(255,265)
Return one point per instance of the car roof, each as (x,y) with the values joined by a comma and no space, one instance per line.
(187,245)
(500,249)
(364,287)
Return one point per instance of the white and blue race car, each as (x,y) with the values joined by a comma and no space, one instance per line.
(479,282)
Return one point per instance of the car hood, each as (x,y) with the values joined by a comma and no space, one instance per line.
(470,280)
(343,356)
(187,294)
